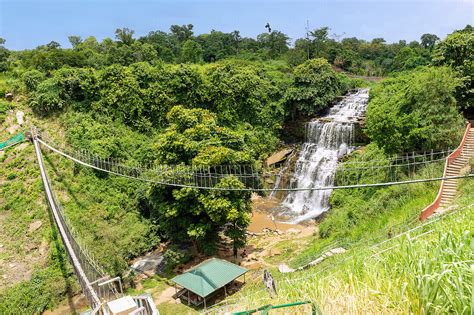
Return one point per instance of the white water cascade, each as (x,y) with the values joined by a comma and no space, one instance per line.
(327,139)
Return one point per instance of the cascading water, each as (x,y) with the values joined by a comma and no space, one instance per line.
(327,139)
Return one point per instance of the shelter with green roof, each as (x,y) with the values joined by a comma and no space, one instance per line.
(206,279)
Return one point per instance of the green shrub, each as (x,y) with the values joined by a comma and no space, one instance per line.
(415,111)
(4,107)
(175,256)
(315,86)
(31,79)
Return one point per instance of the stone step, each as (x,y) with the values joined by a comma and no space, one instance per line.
(452,191)
(447,199)
(449,183)
(452,170)
(449,190)
(448,173)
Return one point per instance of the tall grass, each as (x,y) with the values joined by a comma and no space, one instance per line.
(424,272)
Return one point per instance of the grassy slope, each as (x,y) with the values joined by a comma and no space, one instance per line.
(102,209)
(26,253)
(402,276)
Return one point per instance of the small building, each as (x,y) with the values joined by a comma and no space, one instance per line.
(206,279)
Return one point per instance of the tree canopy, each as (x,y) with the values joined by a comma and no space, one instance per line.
(415,111)
(195,138)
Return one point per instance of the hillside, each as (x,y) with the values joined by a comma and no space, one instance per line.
(427,268)
(195,124)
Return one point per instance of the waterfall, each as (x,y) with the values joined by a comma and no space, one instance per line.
(327,139)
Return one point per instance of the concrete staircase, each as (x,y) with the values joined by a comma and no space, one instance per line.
(455,169)
(455,166)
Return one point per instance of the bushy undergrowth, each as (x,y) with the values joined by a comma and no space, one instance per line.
(4,107)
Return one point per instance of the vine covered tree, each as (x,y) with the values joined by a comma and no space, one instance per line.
(194,138)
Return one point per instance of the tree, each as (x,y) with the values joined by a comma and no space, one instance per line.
(4,53)
(218,45)
(125,36)
(457,52)
(165,45)
(408,58)
(53,45)
(31,79)
(378,41)
(275,43)
(315,85)
(428,41)
(191,52)
(75,40)
(319,42)
(240,94)
(183,32)
(415,111)
(194,138)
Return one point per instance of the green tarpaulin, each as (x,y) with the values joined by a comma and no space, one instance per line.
(209,276)
(13,140)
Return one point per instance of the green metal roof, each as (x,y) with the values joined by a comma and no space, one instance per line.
(209,276)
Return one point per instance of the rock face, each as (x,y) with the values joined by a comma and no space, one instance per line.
(278,157)
(35,225)
(283,268)
(149,264)
(19,117)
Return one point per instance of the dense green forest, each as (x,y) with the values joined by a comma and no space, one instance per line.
(210,99)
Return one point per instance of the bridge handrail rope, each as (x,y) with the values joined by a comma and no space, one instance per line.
(427,156)
(203,179)
(219,307)
(86,286)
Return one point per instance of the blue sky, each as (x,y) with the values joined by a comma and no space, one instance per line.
(29,23)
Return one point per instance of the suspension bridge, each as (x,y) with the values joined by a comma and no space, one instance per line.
(99,288)
(96,285)
(395,171)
